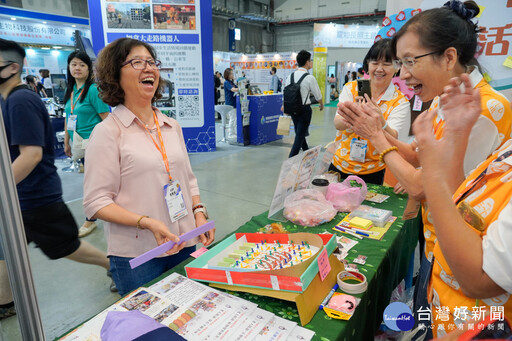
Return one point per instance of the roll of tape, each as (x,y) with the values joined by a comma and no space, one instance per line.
(352,288)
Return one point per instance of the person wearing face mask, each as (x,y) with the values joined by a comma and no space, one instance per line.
(84,110)
(135,155)
(274,80)
(356,155)
(47,220)
(431,48)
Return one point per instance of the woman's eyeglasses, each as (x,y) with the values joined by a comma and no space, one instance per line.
(140,64)
(409,62)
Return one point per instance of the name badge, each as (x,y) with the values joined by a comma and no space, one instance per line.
(358,150)
(417,104)
(175,202)
(71,122)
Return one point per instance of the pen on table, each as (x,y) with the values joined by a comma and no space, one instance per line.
(354,229)
(328,297)
(352,233)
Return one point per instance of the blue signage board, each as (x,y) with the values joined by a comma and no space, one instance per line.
(181,34)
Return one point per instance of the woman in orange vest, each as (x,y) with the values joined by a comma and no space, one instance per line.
(356,155)
(472,258)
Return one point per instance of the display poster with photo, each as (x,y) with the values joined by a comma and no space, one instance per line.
(257,67)
(180,32)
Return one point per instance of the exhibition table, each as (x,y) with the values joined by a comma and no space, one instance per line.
(387,264)
(265,111)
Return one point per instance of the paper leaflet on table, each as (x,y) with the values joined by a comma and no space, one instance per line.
(277,329)
(344,245)
(193,310)
(376,197)
(377,232)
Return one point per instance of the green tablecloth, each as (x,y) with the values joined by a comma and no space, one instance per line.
(387,264)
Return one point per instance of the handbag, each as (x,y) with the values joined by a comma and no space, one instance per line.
(78,147)
(283,125)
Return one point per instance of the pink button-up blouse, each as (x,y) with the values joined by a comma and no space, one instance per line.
(124,167)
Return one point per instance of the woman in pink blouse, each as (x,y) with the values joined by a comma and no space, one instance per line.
(135,155)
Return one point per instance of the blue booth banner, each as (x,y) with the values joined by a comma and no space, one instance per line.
(265,112)
(182,37)
(26,31)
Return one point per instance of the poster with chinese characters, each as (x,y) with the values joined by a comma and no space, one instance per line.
(180,32)
(494,41)
(337,35)
(257,67)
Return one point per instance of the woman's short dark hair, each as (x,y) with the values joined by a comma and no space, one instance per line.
(84,57)
(379,50)
(449,26)
(227,73)
(108,70)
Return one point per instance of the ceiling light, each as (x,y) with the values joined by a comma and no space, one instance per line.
(44,22)
(45,48)
(57,47)
(13,18)
(73,25)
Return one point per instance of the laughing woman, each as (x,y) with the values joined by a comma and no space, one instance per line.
(356,155)
(132,155)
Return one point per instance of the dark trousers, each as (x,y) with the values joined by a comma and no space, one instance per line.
(301,124)
(372,178)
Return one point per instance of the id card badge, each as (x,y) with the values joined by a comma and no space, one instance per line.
(358,150)
(175,202)
(417,104)
(71,122)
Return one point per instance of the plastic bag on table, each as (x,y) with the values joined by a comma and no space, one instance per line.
(344,197)
(308,207)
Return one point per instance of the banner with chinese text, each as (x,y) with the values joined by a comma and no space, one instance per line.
(180,31)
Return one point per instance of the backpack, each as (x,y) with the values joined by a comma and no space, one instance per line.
(279,85)
(292,100)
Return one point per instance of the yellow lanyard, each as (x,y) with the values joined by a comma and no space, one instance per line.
(160,148)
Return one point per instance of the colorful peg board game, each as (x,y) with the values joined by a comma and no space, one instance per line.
(245,256)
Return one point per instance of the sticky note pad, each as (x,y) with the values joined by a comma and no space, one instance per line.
(360,223)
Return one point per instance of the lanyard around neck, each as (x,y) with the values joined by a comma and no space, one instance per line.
(479,180)
(160,148)
(73,104)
